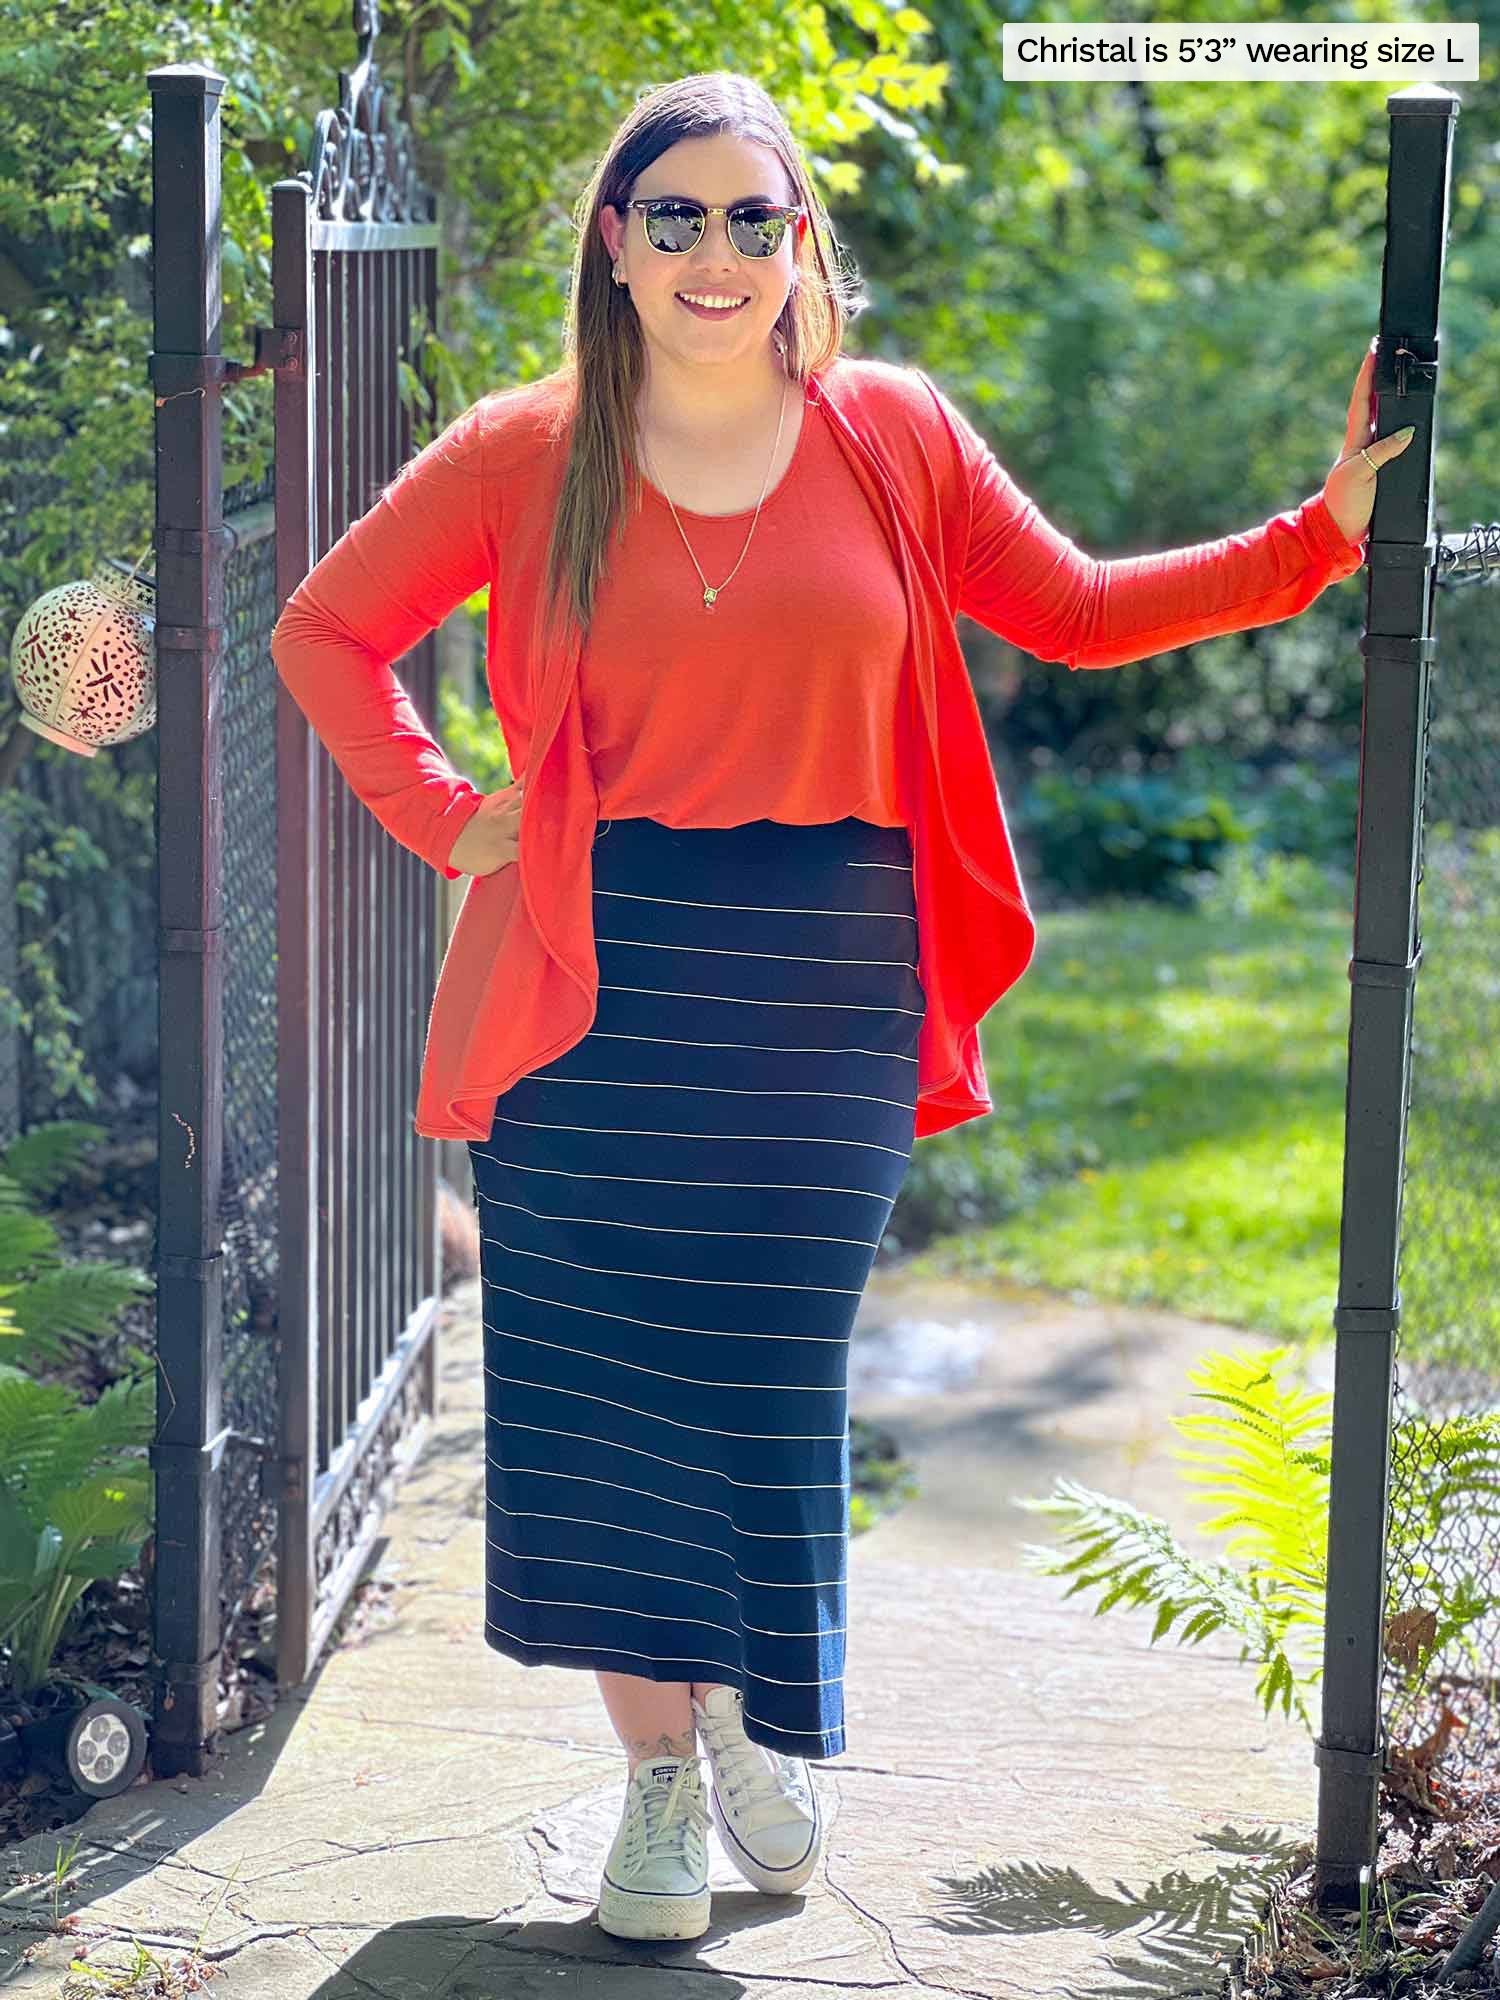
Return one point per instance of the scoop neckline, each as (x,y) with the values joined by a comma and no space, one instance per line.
(809,404)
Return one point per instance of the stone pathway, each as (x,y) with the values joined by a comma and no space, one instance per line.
(1033,1801)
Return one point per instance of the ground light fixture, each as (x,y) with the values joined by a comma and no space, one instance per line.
(97,1746)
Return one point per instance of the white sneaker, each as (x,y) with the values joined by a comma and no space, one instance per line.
(656,1874)
(762,1802)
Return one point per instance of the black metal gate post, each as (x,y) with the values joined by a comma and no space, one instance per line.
(186,369)
(1399,646)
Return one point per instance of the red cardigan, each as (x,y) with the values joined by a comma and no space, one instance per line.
(519,980)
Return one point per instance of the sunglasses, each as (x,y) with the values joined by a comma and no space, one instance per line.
(674,226)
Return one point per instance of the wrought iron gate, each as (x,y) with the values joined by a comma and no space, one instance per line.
(297,1254)
(355,276)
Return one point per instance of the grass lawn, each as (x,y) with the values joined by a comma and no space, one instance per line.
(1169,1115)
(1198,1062)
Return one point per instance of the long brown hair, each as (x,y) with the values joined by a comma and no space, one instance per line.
(604,354)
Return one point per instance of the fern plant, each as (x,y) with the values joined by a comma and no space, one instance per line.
(1268,1473)
(76,1487)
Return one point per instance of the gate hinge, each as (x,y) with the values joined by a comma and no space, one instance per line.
(276,347)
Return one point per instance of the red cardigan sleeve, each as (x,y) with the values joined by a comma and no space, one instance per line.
(1028,583)
(421,550)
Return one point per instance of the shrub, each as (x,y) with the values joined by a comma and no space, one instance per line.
(1125,834)
(1157,836)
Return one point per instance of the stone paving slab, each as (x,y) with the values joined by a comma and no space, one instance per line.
(1032,1801)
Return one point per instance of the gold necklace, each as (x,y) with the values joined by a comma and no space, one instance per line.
(711,591)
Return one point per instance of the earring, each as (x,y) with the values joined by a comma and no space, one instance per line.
(616,275)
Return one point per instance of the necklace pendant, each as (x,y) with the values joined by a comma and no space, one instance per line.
(709,595)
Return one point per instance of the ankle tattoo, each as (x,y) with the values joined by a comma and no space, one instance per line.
(639,1748)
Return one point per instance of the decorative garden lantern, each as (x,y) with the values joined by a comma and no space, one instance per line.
(83,660)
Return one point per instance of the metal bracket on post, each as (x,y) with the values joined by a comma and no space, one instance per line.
(1367,1319)
(1352,1763)
(278,349)
(202,1461)
(1383,972)
(1399,649)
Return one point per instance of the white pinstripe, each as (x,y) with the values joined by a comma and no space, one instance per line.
(759,1138)
(729,951)
(653,1416)
(661,1458)
(663,1325)
(735,1090)
(772,909)
(631,1652)
(672,1229)
(668,1618)
(738,1000)
(618,1527)
(670,1277)
(665,1576)
(664,1500)
(667,1374)
(772,1048)
(670,1180)
(735,1672)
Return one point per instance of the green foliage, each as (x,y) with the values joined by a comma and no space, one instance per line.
(1251,882)
(1305,809)
(1167,834)
(1124,834)
(472,737)
(1266,1469)
(76,1490)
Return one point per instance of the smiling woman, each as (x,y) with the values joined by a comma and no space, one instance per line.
(763,894)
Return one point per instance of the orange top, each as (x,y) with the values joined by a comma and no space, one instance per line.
(790,681)
(827,681)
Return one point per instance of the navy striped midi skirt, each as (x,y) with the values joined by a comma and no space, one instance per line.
(677,1219)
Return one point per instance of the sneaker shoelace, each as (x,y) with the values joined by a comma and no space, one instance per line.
(661,1829)
(770,1778)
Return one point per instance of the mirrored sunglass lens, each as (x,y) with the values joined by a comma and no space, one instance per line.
(756,232)
(674,226)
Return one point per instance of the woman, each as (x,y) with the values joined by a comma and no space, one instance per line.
(732,931)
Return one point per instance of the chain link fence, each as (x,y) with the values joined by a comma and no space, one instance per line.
(1443,1564)
(100,932)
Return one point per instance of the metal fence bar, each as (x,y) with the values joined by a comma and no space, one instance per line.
(186,369)
(303,1155)
(1399,645)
